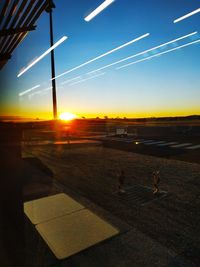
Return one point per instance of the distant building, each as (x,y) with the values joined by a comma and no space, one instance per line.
(121,131)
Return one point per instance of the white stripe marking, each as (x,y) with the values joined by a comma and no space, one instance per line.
(193,147)
(169,143)
(181,145)
(155,143)
(147,141)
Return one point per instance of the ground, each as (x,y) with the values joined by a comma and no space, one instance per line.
(163,232)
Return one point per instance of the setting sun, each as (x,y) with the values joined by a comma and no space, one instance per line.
(67,116)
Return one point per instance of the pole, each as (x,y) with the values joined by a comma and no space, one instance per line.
(49,10)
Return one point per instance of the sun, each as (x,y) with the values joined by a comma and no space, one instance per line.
(67,116)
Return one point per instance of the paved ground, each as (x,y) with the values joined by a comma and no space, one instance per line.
(182,148)
(161,232)
(183,143)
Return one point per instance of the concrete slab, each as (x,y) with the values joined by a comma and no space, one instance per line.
(130,249)
(48,208)
(70,234)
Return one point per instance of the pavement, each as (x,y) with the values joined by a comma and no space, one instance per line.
(159,233)
(186,149)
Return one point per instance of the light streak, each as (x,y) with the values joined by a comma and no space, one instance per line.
(103,55)
(187,15)
(29,90)
(98,10)
(42,56)
(70,80)
(41,91)
(159,54)
(84,80)
(143,52)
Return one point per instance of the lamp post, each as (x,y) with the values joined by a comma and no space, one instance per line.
(49,10)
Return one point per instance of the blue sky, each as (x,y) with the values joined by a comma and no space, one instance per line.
(163,86)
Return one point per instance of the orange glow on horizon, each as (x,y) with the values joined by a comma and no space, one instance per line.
(46,113)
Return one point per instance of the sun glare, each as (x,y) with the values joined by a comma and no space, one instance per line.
(67,116)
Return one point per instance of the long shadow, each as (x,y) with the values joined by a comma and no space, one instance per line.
(37,163)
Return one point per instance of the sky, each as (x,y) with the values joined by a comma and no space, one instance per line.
(167,85)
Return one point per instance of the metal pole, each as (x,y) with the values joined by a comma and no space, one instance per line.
(49,10)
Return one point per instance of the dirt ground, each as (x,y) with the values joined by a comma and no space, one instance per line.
(91,171)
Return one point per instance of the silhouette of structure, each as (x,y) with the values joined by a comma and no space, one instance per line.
(49,9)
(17,19)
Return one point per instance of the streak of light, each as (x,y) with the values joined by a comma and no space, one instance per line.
(143,52)
(102,55)
(41,91)
(84,80)
(98,10)
(159,54)
(42,56)
(70,80)
(29,90)
(187,15)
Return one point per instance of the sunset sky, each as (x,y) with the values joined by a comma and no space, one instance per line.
(168,85)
